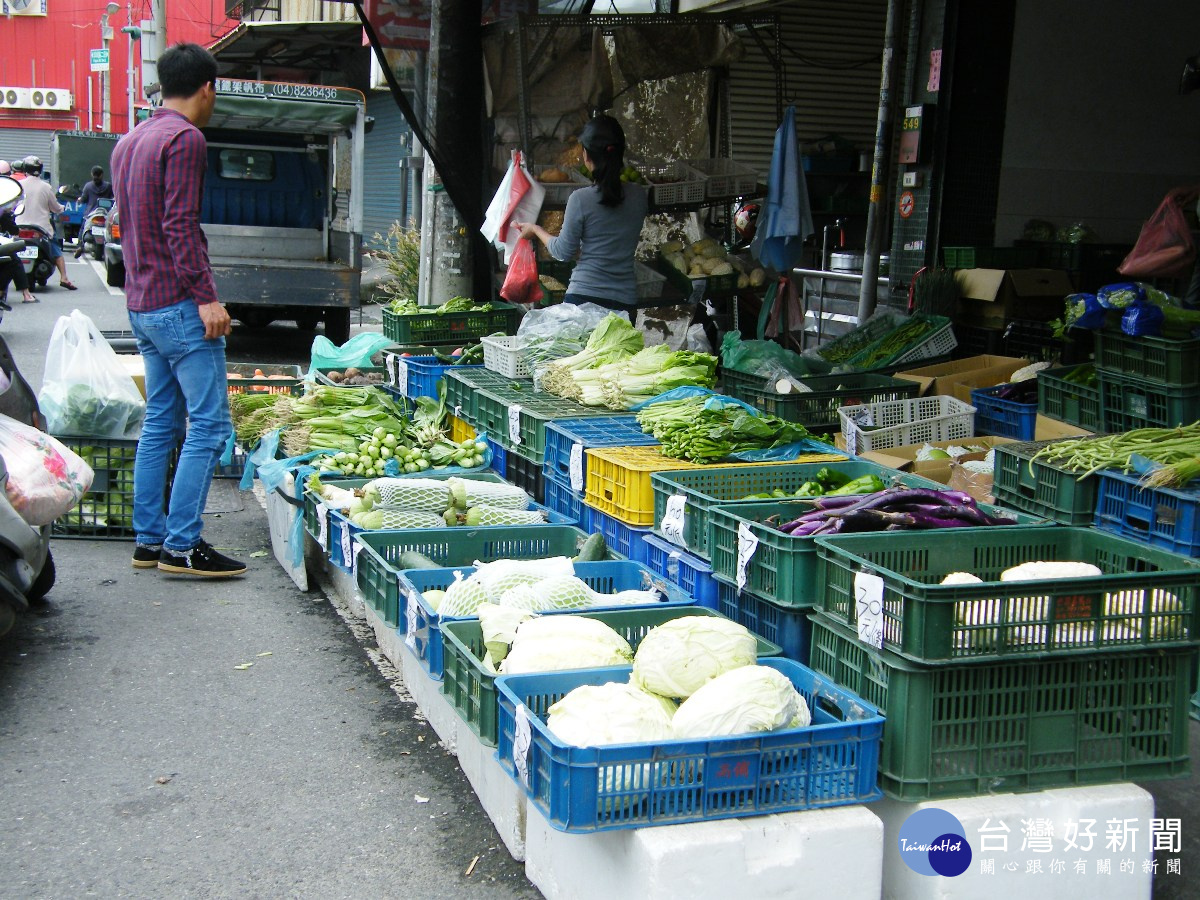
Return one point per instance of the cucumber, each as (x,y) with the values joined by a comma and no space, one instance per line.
(594,549)
(411,559)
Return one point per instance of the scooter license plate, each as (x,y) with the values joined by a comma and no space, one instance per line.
(98,230)
(28,253)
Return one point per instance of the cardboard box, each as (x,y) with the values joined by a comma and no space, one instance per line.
(944,377)
(905,458)
(1048,429)
(991,297)
(135,367)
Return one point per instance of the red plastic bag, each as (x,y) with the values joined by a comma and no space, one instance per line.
(1165,245)
(521,284)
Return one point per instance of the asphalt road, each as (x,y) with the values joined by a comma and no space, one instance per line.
(137,761)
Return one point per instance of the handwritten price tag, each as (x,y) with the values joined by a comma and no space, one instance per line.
(391,367)
(674,518)
(868,605)
(458,410)
(514,424)
(747,544)
(354,560)
(522,740)
(323,526)
(347,544)
(851,436)
(402,376)
(862,416)
(410,621)
(577,482)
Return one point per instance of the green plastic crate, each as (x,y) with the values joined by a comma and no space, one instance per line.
(1069,401)
(1130,403)
(493,398)
(378,572)
(1156,359)
(435,328)
(1147,598)
(917,338)
(784,569)
(471,688)
(106,511)
(817,410)
(1041,488)
(1021,725)
(702,489)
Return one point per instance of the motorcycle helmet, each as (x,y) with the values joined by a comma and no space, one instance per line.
(5,168)
(33,165)
(18,165)
(745,221)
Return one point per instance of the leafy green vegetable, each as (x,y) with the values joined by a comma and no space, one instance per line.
(706,429)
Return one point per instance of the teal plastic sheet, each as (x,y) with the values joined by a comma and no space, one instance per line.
(355,352)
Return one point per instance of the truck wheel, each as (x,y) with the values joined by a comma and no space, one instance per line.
(308,321)
(337,325)
(114,274)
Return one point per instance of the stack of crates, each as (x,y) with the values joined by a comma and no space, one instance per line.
(1147,382)
(1015,686)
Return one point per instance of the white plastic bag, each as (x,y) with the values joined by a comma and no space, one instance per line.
(518,199)
(85,390)
(45,477)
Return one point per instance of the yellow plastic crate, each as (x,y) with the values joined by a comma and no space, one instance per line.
(460,430)
(618,478)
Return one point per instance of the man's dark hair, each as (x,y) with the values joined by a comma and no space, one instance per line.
(184,69)
(97,172)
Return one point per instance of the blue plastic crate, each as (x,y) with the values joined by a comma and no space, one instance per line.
(788,627)
(608,431)
(832,762)
(624,539)
(1163,517)
(560,498)
(685,569)
(421,626)
(1003,418)
(417,376)
(499,457)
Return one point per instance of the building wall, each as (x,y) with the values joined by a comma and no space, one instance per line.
(1096,130)
(52,51)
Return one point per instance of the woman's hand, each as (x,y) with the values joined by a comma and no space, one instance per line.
(528,229)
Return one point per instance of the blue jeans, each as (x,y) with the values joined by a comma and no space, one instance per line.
(185,394)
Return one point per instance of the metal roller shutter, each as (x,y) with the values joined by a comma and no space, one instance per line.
(388,141)
(831,61)
(17,143)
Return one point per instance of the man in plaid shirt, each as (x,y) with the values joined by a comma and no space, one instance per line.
(180,326)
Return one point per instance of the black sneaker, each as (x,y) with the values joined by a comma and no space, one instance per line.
(146,557)
(200,560)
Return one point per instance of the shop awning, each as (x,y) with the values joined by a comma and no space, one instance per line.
(301,46)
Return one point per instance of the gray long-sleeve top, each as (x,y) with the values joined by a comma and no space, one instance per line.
(605,239)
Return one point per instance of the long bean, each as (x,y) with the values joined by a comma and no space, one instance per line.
(1116,451)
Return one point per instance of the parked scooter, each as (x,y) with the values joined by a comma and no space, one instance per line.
(91,233)
(26,565)
(40,266)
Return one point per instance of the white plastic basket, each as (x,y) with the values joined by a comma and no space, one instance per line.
(501,354)
(557,192)
(684,184)
(899,423)
(725,177)
(941,343)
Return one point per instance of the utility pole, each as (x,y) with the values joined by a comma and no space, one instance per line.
(135,34)
(106,34)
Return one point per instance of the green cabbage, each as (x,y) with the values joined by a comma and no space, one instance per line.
(676,658)
(741,701)
(553,643)
(614,713)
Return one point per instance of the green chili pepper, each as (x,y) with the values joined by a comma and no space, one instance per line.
(831,478)
(866,484)
(810,489)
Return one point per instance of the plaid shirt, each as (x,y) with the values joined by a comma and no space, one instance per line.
(158,176)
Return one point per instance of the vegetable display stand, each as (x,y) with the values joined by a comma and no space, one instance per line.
(561,499)
(106,510)
(1131,403)
(898,423)
(1145,599)
(787,627)
(502,354)
(1041,488)
(817,408)
(1071,394)
(422,627)
(918,338)
(783,568)
(1154,359)
(1022,725)
(267,378)
(526,474)
(1162,517)
(625,539)
(567,439)
(417,376)
(619,478)
(682,500)
(832,762)
(460,430)
(433,327)
(688,571)
(382,557)
(1004,418)
(471,687)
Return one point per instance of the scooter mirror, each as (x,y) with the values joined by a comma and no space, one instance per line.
(10,190)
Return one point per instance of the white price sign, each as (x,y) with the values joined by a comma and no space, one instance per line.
(868,606)
(391,367)
(577,482)
(522,740)
(674,518)
(347,544)
(514,424)
(747,544)
(862,416)
(354,559)
(851,436)
(458,411)
(402,376)
(323,526)
(410,623)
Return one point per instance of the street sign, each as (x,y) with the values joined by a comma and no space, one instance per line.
(99,60)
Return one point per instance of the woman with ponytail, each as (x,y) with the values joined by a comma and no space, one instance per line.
(601,225)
